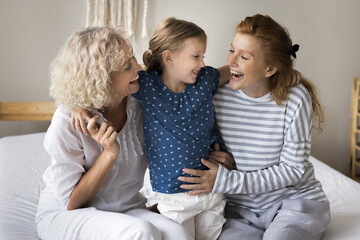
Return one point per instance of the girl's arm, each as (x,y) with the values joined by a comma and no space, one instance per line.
(224,74)
(79,119)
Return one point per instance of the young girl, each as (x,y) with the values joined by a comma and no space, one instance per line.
(178,116)
(272,192)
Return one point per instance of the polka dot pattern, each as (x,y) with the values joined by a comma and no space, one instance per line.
(178,127)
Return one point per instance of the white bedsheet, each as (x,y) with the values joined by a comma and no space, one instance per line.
(23,160)
(344,197)
(22,163)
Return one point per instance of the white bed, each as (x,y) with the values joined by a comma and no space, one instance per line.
(23,160)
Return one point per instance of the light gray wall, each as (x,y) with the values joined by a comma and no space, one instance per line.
(32,31)
(327,31)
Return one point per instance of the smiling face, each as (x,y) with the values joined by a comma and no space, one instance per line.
(124,81)
(184,65)
(249,72)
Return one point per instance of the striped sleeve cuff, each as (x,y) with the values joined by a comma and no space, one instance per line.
(220,181)
(231,182)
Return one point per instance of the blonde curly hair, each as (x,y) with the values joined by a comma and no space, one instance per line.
(81,72)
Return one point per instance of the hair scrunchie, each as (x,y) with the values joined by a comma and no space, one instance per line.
(294,49)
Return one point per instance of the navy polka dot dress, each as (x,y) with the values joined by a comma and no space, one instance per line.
(178,127)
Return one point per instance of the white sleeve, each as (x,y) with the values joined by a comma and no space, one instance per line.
(67,156)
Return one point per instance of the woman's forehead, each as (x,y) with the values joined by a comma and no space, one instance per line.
(246,43)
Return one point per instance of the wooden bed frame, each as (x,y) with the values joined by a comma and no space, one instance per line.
(26,111)
(354,163)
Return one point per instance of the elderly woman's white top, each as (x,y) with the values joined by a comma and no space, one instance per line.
(73,153)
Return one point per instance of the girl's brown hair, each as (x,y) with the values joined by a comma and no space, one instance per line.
(170,34)
(277,49)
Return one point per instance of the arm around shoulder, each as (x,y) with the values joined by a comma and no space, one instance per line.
(224,74)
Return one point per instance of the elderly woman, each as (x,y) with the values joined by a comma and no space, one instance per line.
(93,182)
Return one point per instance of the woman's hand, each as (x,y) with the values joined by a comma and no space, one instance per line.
(105,135)
(92,180)
(295,78)
(223,158)
(203,180)
(79,119)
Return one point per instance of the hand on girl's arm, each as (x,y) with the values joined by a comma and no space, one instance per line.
(223,158)
(224,74)
(295,78)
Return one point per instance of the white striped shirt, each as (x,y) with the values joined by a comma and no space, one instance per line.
(271,146)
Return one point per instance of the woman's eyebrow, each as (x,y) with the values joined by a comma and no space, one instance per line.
(241,50)
(126,62)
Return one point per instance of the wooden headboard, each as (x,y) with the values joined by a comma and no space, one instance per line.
(26,111)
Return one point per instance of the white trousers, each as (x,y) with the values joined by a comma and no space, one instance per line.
(204,212)
(92,224)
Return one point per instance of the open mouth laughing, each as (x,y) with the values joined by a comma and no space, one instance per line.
(195,72)
(134,80)
(236,74)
